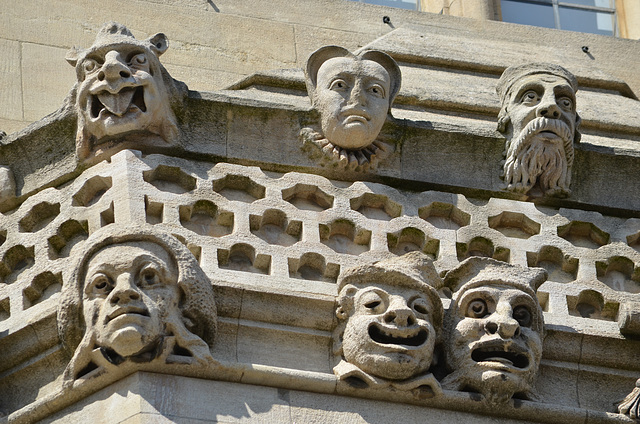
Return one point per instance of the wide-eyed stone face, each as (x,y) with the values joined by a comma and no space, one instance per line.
(390,333)
(494,339)
(353,99)
(544,105)
(129,290)
(120,91)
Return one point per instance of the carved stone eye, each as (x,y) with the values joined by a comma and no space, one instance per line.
(529,97)
(377,90)
(101,285)
(421,305)
(373,302)
(139,59)
(565,103)
(149,277)
(338,85)
(477,309)
(89,65)
(522,314)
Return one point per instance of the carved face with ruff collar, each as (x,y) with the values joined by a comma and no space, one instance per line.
(122,92)
(391,318)
(494,329)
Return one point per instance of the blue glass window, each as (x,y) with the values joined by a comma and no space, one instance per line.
(593,16)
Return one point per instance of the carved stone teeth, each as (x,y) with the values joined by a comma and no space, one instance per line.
(379,335)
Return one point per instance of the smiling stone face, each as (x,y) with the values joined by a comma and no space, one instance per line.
(494,329)
(353,99)
(390,317)
(390,334)
(129,291)
(122,94)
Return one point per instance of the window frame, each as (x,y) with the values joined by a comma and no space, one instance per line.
(557,4)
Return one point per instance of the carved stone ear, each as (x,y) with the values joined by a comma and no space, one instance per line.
(159,42)
(72,56)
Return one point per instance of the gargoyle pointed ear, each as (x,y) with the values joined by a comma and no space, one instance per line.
(159,43)
(72,56)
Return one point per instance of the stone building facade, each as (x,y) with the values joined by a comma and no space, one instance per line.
(303,212)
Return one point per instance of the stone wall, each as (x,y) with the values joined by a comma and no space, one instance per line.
(232,240)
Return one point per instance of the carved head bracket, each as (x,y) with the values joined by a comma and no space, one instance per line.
(539,119)
(123,94)
(354,94)
(135,295)
(494,328)
(390,318)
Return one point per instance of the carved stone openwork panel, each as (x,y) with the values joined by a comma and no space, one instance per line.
(539,118)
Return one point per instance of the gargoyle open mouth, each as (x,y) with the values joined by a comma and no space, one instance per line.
(494,354)
(381,336)
(119,103)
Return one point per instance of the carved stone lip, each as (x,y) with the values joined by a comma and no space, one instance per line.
(127,310)
(501,354)
(407,338)
(355,115)
(549,127)
(104,103)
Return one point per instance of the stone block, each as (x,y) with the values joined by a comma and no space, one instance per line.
(200,79)
(46,79)
(10,84)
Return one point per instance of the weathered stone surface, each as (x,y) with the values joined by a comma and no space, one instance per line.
(539,118)
(10,83)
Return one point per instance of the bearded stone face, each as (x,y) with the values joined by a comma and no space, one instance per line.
(353,99)
(129,290)
(494,341)
(542,112)
(390,333)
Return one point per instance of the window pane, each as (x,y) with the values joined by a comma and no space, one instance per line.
(402,4)
(527,13)
(599,3)
(586,21)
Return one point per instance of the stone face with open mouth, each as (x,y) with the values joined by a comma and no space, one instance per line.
(122,92)
(126,288)
(390,333)
(494,343)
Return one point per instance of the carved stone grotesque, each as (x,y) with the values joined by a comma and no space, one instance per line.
(494,329)
(390,319)
(539,119)
(123,93)
(631,404)
(353,94)
(135,297)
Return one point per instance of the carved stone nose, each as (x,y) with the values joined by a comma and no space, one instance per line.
(548,109)
(401,315)
(113,68)
(505,327)
(124,291)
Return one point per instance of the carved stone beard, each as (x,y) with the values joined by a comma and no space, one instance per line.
(532,157)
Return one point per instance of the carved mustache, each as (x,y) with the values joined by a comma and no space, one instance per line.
(542,124)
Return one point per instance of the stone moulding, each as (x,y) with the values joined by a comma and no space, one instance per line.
(315,382)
